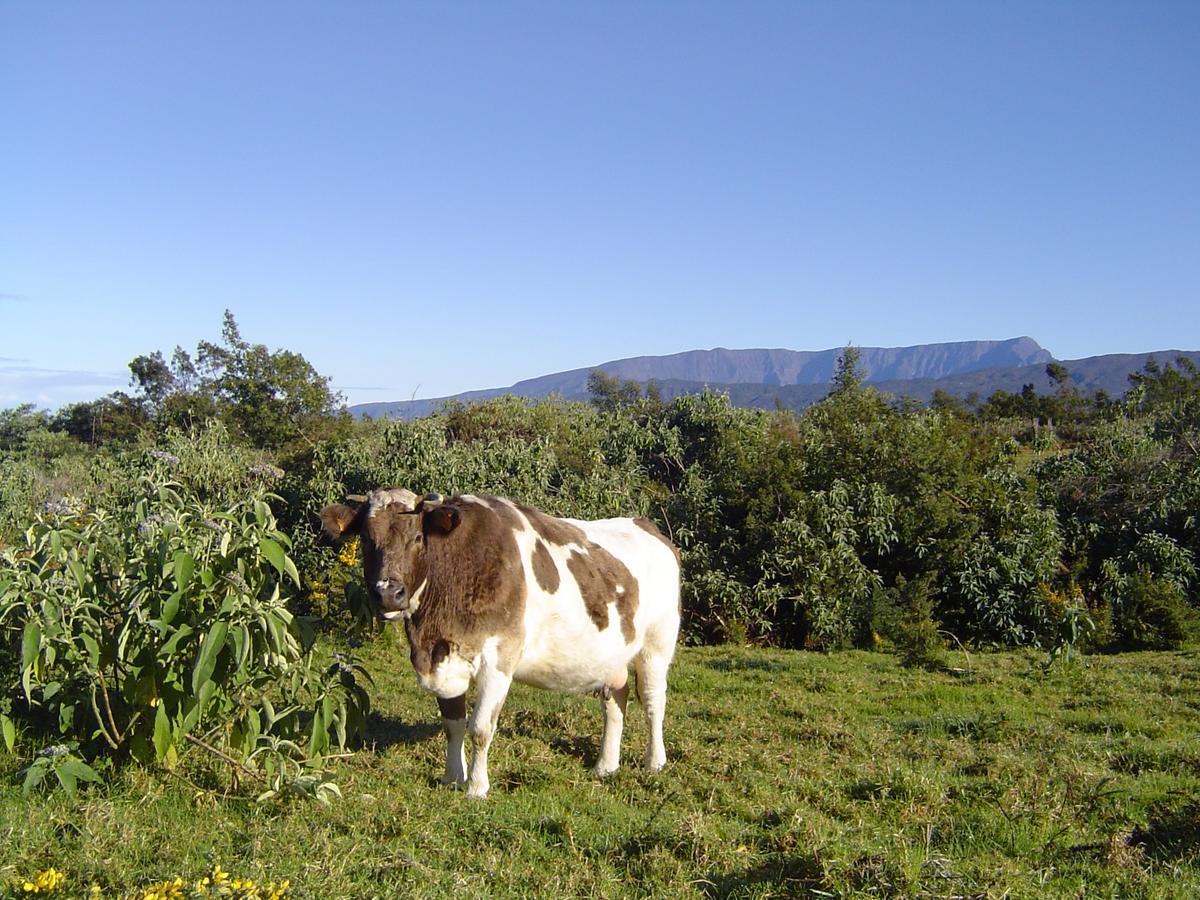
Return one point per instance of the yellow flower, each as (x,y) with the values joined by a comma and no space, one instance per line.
(164,890)
(349,554)
(44,882)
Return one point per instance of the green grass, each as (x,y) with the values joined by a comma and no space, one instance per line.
(790,774)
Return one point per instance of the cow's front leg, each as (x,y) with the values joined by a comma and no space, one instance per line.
(454,723)
(491,687)
(613,697)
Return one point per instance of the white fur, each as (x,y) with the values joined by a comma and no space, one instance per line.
(456,760)
(451,678)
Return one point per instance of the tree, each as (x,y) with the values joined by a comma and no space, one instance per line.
(609,393)
(152,377)
(1170,395)
(1058,374)
(848,376)
(115,418)
(16,424)
(274,398)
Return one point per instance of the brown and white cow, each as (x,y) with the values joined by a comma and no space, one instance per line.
(495,591)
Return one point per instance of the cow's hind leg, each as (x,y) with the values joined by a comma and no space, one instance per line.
(454,723)
(652,692)
(491,688)
(612,700)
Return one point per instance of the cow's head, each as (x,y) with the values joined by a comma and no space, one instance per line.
(392,526)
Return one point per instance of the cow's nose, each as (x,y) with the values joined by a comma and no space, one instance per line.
(389,591)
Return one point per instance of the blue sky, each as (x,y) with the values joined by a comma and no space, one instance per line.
(430,198)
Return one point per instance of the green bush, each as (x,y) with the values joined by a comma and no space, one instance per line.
(162,626)
(918,636)
(1150,613)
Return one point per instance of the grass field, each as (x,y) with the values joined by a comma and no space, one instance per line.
(790,774)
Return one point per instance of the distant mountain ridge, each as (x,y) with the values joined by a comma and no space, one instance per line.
(798,378)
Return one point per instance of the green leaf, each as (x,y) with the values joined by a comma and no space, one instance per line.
(30,643)
(34,775)
(185,564)
(66,718)
(162,732)
(327,789)
(9,730)
(318,741)
(339,725)
(242,644)
(172,642)
(190,718)
(66,779)
(206,660)
(79,573)
(81,770)
(171,606)
(206,694)
(92,648)
(253,725)
(274,554)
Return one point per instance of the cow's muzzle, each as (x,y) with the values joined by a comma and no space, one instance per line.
(394,599)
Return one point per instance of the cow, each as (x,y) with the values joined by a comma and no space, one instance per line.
(495,591)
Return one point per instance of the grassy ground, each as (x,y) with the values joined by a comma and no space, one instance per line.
(790,774)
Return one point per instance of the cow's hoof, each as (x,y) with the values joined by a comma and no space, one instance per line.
(603,771)
(654,764)
(477,795)
(451,781)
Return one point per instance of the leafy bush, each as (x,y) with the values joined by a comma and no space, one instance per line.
(794,529)
(1150,613)
(918,636)
(164,625)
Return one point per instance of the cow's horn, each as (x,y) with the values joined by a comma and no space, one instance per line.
(405,499)
(429,501)
(357,498)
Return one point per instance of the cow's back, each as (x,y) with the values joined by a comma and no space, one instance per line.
(596,592)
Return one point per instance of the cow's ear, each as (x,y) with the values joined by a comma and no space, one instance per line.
(443,518)
(336,519)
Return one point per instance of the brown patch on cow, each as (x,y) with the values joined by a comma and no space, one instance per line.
(454,708)
(475,589)
(544,569)
(600,575)
(473,576)
(505,512)
(553,531)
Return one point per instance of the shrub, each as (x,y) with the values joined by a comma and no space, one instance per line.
(918,637)
(142,631)
(1150,613)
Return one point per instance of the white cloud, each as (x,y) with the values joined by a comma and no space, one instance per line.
(54,387)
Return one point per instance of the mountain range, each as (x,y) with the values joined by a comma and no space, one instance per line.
(796,379)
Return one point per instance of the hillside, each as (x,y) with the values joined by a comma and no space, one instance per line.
(797,379)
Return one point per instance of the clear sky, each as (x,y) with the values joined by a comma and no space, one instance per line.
(430,198)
